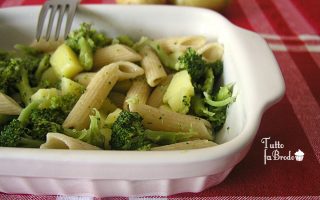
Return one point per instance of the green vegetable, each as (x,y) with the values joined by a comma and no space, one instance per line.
(20,72)
(96,134)
(193,63)
(17,135)
(128,133)
(84,41)
(123,39)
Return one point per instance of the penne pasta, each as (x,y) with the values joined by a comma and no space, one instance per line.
(8,105)
(121,86)
(194,144)
(84,78)
(165,120)
(157,94)
(181,43)
(128,70)
(211,52)
(61,141)
(152,66)
(94,96)
(139,91)
(114,53)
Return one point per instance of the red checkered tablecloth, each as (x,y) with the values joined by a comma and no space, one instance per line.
(292,30)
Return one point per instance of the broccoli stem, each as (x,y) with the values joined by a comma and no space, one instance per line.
(43,66)
(85,55)
(220,103)
(199,107)
(29,143)
(209,81)
(26,112)
(24,87)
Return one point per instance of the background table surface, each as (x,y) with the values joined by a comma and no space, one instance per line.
(292,30)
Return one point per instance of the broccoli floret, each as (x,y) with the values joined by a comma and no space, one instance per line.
(43,121)
(20,72)
(96,134)
(193,63)
(15,77)
(84,41)
(214,110)
(128,133)
(15,134)
(123,39)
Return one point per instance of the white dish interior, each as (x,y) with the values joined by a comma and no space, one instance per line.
(247,60)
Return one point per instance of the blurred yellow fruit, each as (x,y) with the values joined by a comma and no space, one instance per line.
(141,1)
(212,4)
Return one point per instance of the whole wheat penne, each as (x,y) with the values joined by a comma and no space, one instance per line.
(61,141)
(84,78)
(9,106)
(114,53)
(181,43)
(211,52)
(152,66)
(128,70)
(194,144)
(165,120)
(93,97)
(139,90)
(155,99)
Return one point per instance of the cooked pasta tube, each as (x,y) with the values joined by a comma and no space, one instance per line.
(181,43)
(211,52)
(46,46)
(61,141)
(9,106)
(114,53)
(139,91)
(84,78)
(117,98)
(121,86)
(128,70)
(93,97)
(152,66)
(165,120)
(155,99)
(194,144)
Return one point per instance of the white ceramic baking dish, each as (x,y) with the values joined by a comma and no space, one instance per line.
(248,63)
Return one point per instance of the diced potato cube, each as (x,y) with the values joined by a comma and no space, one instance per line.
(179,92)
(65,62)
(69,86)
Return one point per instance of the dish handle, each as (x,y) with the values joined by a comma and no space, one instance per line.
(262,72)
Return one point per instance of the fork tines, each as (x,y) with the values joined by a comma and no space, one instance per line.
(63,7)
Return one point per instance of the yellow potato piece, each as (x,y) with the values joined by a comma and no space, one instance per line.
(65,62)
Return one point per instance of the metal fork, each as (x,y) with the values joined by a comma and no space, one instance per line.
(63,6)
